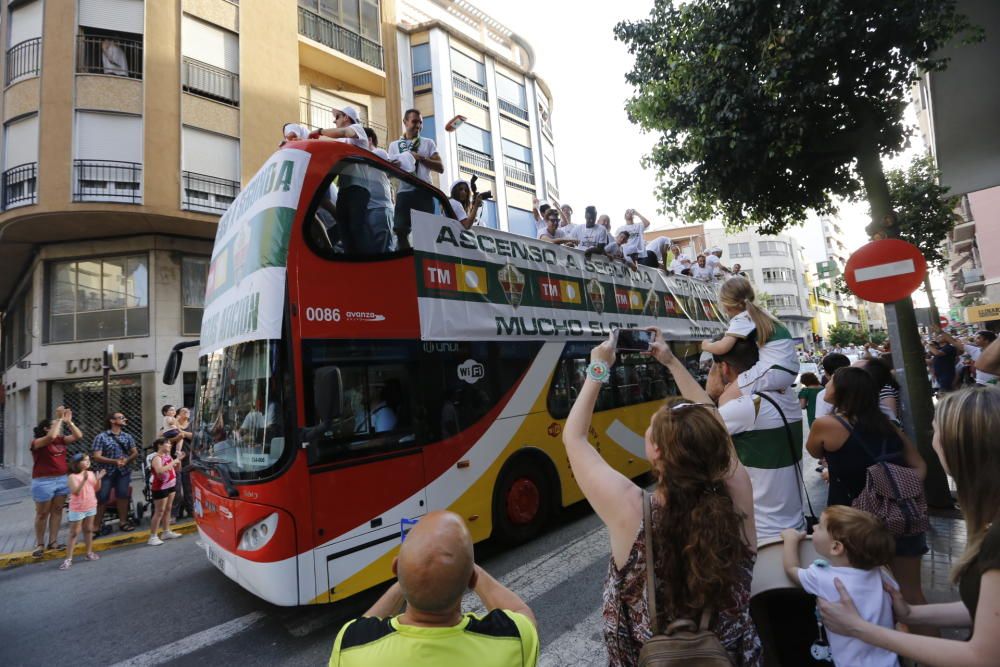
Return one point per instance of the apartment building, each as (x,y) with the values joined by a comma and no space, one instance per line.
(128,126)
(776,266)
(825,247)
(456,60)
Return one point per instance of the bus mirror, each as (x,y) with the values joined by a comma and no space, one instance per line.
(173,367)
(328,392)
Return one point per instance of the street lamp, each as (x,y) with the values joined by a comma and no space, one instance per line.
(29,364)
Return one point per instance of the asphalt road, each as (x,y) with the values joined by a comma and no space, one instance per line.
(145,605)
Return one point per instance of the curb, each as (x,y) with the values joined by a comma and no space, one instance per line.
(19,558)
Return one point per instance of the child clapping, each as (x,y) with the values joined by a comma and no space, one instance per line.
(854,546)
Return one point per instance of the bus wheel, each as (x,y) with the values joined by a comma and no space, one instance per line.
(521,502)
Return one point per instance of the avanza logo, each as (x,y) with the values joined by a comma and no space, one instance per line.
(364,316)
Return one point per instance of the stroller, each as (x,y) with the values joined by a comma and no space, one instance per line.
(785,614)
(146,465)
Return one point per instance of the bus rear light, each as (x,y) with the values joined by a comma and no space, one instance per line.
(255,536)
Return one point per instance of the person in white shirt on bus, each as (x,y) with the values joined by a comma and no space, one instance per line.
(657,251)
(636,247)
(422,151)
(553,233)
(613,250)
(464,205)
(713,259)
(590,236)
(701,270)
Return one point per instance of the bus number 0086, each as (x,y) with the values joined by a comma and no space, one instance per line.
(322,314)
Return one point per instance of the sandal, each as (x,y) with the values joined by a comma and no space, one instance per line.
(38,552)
(93,556)
(54,546)
(126,527)
(66,564)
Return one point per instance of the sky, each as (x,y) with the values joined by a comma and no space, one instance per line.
(598,151)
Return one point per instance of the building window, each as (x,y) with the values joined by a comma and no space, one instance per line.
(471,69)
(20,162)
(211,61)
(421,57)
(98,298)
(352,27)
(475,146)
(108,164)
(194,277)
(777,275)
(773,248)
(108,52)
(781,301)
(24,39)
(17,337)
(521,222)
(513,98)
(210,171)
(739,249)
(429,129)
(517,162)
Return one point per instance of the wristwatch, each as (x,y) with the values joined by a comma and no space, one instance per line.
(599,372)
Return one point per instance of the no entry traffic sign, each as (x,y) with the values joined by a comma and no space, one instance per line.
(943,321)
(885,271)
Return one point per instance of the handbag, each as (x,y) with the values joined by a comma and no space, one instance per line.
(893,493)
(684,642)
(811,518)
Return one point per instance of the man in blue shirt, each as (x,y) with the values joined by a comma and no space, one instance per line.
(113,451)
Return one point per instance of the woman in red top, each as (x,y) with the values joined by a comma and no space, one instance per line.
(48,476)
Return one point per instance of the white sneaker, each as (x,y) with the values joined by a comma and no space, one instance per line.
(154,541)
(170,535)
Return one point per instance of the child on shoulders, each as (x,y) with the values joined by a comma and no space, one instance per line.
(855,545)
(778,365)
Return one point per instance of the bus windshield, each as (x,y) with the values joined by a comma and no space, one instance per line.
(240,419)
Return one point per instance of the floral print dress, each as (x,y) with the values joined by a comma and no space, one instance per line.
(626,612)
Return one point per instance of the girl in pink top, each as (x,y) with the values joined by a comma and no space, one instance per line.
(83,486)
(164,478)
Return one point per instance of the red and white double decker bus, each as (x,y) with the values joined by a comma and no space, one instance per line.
(342,396)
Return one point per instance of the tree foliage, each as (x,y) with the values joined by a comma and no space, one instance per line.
(924,211)
(841,334)
(878,337)
(762,107)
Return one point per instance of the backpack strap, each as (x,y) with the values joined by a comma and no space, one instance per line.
(647,520)
(796,459)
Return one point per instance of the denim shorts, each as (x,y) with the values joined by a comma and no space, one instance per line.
(912,545)
(120,479)
(80,516)
(44,489)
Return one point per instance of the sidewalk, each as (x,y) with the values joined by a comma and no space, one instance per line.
(17,523)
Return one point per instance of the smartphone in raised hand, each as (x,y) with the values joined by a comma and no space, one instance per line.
(633,340)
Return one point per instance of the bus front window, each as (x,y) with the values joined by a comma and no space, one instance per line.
(240,410)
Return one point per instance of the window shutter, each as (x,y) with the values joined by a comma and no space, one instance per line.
(103,136)
(20,142)
(119,15)
(336,102)
(25,23)
(210,44)
(211,154)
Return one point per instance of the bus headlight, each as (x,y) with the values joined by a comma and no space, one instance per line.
(257,535)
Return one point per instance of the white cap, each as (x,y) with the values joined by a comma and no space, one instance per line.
(458,181)
(406,162)
(714,249)
(351,113)
(301,132)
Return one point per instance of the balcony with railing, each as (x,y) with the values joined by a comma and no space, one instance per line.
(207,194)
(421,80)
(117,56)
(326,32)
(210,81)
(107,180)
(476,159)
(20,185)
(519,174)
(23,60)
(471,91)
(315,115)
(971,280)
(513,110)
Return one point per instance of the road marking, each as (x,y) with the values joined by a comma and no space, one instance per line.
(582,646)
(900,268)
(535,578)
(195,642)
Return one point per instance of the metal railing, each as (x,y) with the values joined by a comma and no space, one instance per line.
(475,158)
(518,171)
(471,91)
(422,80)
(774,253)
(123,57)
(23,60)
(202,192)
(107,180)
(20,185)
(552,189)
(341,39)
(210,81)
(512,109)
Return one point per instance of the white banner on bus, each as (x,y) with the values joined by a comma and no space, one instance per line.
(480,284)
(245,294)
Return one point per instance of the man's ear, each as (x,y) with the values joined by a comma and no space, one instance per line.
(395,567)
(473,579)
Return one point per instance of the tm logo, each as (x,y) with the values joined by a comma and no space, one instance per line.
(471,371)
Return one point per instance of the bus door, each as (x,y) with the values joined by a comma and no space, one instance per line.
(365,459)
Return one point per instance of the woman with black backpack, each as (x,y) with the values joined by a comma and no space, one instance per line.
(701,532)
(853,439)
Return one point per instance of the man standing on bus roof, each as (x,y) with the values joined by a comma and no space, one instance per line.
(636,247)
(590,237)
(423,153)
(435,567)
